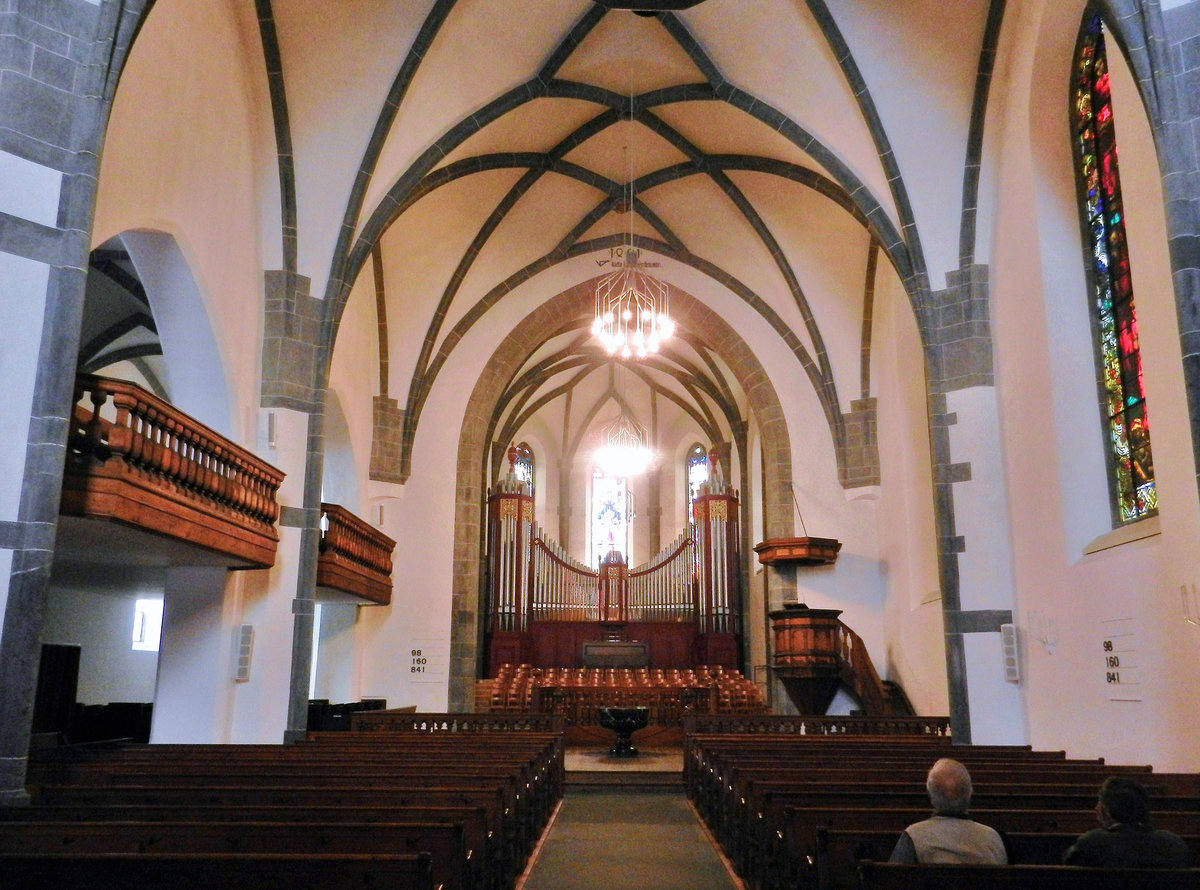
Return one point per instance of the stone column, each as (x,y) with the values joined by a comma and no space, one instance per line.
(58,62)
(293,362)
(974,549)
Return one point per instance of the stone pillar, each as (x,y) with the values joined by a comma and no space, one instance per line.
(58,59)
(654,510)
(1180,155)
(385,440)
(564,503)
(974,550)
(860,464)
(293,363)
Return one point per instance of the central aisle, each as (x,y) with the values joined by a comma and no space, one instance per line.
(632,839)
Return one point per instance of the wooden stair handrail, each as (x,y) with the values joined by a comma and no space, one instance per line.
(858,671)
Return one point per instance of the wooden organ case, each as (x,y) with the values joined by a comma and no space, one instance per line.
(679,609)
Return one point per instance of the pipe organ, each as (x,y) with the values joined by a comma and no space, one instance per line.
(684,603)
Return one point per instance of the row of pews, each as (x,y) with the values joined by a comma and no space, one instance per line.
(820,810)
(427,802)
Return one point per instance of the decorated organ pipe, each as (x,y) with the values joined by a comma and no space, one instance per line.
(510,514)
(716,523)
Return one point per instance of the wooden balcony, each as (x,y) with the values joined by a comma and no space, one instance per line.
(355,558)
(145,483)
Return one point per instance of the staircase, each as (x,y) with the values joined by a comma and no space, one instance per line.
(858,674)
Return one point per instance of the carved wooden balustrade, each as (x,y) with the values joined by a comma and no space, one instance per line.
(355,557)
(135,459)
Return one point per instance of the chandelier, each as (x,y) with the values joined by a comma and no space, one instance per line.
(623,452)
(631,309)
(631,304)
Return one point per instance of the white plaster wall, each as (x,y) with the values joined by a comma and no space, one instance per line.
(261,599)
(917,54)
(25,306)
(981,513)
(180,158)
(30,191)
(1053,439)
(195,664)
(336,674)
(193,373)
(914,649)
(101,624)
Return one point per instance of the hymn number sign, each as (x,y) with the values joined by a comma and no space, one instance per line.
(1118,645)
(429,660)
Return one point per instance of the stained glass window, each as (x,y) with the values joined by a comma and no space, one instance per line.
(697,474)
(610,516)
(1123,392)
(524,465)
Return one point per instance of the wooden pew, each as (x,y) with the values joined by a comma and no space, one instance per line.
(484,861)
(514,779)
(894,876)
(747,817)
(526,800)
(537,766)
(229,871)
(502,856)
(444,842)
(797,843)
(839,851)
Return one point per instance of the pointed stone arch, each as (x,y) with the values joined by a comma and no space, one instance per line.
(559,313)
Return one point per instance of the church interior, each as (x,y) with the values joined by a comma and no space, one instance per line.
(803,360)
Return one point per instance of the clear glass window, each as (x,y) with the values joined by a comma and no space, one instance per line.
(147,625)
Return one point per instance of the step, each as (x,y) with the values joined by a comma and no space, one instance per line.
(634,780)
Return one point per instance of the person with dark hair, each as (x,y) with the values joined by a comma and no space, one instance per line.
(1126,839)
(950,835)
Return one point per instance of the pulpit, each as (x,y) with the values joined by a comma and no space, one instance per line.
(806,658)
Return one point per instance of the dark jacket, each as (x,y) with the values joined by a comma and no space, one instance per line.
(1130,846)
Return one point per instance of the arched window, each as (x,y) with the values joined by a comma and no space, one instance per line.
(610,516)
(1123,396)
(696,473)
(524,465)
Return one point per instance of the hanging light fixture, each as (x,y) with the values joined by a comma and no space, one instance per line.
(624,451)
(632,317)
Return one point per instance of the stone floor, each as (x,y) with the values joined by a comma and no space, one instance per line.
(626,824)
(647,760)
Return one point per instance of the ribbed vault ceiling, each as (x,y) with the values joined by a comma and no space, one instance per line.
(469,160)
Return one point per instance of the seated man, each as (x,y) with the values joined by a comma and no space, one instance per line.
(1126,838)
(950,835)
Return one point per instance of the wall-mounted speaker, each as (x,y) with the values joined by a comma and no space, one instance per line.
(1010,652)
(245,647)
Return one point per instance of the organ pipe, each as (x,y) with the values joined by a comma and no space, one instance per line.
(694,578)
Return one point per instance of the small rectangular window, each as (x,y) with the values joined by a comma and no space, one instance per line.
(147,624)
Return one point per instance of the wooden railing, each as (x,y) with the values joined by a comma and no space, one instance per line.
(859,674)
(355,558)
(137,460)
(580,705)
(807,724)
